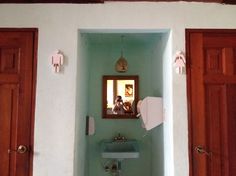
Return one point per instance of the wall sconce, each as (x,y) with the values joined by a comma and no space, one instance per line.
(57,60)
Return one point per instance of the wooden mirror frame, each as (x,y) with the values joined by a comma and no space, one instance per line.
(105,115)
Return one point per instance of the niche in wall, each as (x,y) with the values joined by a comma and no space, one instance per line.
(144,53)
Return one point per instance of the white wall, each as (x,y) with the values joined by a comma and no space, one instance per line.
(56,94)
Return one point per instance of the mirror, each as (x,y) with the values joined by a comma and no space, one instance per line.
(120,97)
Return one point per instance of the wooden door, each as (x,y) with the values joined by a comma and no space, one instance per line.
(17,94)
(211,77)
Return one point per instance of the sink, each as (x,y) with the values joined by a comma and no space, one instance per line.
(119,149)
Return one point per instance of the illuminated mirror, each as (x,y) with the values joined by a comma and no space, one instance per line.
(120,96)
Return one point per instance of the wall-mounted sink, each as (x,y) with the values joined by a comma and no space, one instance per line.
(119,149)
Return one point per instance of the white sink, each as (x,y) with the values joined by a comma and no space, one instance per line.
(119,149)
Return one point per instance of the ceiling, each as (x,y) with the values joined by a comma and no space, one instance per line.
(102,1)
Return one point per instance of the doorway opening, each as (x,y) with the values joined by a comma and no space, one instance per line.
(147,54)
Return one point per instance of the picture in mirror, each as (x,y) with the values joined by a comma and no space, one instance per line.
(120,95)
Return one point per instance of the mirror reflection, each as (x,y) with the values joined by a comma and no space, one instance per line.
(120,95)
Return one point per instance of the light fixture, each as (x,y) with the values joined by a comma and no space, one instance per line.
(121,63)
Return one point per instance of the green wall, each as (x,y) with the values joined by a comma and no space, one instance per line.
(80,166)
(140,50)
(162,54)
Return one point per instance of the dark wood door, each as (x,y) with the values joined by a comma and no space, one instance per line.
(211,75)
(17,93)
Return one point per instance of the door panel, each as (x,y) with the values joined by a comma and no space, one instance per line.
(231,112)
(17,84)
(10,60)
(214,125)
(211,76)
(8,111)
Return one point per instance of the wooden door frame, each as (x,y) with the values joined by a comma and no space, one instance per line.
(34,80)
(188,32)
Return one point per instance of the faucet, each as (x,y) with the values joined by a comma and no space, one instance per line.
(119,138)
